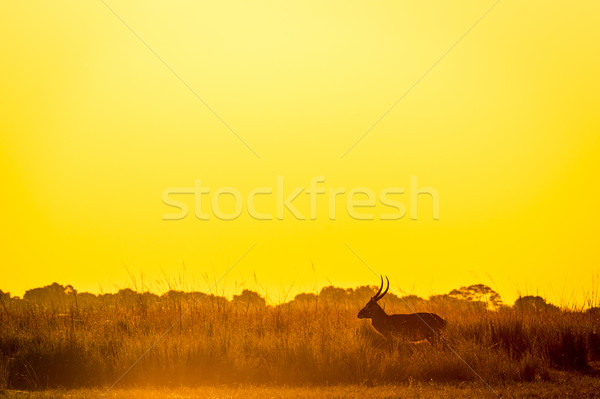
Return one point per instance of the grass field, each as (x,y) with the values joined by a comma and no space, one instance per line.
(244,348)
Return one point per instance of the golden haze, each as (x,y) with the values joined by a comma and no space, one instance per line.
(94,127)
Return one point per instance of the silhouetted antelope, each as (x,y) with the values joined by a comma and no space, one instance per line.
(414,326)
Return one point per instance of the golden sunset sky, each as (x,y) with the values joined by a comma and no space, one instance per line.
(498,113)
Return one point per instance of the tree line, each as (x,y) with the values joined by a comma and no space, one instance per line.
(477,297)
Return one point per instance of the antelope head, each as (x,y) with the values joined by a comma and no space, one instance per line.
(372,306)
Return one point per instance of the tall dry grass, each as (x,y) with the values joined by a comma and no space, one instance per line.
(314,341)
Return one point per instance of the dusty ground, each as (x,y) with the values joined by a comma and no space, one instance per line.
(580,387)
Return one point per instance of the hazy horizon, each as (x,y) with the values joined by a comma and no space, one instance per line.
(430,144)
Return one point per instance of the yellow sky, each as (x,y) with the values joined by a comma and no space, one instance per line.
(505,127)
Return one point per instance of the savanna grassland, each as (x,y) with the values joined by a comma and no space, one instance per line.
(313,346)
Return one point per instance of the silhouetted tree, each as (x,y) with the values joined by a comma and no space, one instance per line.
(531,303)
(127,296)
(305,298)
(478,293)
(86,299)
(54,295)
(451,303)
(249,299)
(364,293)
(334,294)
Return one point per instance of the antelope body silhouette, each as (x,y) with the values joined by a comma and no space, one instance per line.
(414,326)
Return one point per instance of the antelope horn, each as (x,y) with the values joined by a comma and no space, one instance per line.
(386,289)
(380,288)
